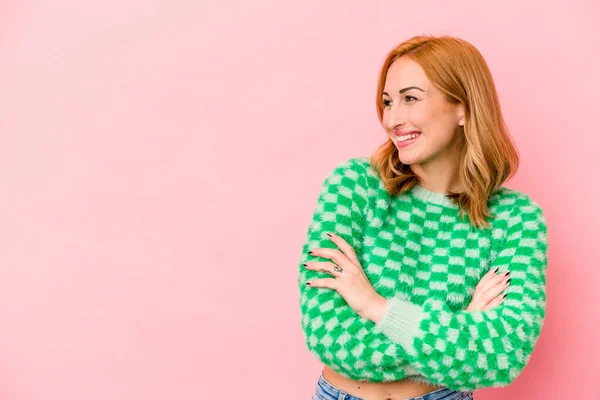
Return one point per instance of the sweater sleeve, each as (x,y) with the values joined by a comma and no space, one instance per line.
(466,350)
(339,209)
(333,332)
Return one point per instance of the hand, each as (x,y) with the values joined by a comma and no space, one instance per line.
(488,291)
(349,279)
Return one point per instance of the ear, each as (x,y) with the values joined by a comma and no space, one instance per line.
(461,115)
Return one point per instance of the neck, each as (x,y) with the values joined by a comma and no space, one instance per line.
(440,180)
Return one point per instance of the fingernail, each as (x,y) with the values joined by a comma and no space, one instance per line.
(504,295)
(305,264)
(496,270)
(310,252)
(308,283)
(328,234)
(507,273)
(508,281)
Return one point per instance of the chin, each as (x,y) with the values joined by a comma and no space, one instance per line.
(412,156)
(408,161)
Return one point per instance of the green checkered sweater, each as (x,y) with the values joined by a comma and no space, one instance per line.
(419,254)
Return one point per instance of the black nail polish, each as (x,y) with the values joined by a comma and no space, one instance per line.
(305,264)
(508,281)
(310,252)
(308,283)
(504,295)
(507,273)
(328,234)
(496,271)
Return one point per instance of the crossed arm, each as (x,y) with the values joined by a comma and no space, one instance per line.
(469,349)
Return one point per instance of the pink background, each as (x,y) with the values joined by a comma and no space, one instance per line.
(160,161)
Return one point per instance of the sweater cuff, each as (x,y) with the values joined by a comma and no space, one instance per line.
(401,322)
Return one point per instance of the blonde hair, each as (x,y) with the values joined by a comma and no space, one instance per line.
(488,157)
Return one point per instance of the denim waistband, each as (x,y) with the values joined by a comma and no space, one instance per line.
(326,391)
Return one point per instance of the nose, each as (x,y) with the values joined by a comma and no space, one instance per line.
(396,117)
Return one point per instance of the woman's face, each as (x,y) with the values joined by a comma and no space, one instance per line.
(413,106)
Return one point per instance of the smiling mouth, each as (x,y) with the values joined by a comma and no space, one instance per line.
(411,136)
(406,140)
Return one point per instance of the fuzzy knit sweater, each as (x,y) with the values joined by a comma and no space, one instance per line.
(419,254)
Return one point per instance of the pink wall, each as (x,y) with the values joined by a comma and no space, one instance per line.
(160,163)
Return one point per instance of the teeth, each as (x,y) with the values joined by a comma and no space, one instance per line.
(407,137)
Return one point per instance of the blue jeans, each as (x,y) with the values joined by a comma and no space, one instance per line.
(326,391)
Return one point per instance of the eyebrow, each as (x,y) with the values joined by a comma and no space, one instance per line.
(405,90)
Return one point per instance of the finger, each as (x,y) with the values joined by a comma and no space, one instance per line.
(328,267)
(495,279)
(485,278)
(330,283)
(496,289)
(496,302)
(481,288)
(334,255)
(485,298)
(337,257)
(344,247)
(476,304)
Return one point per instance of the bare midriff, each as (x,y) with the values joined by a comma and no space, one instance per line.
(395,390)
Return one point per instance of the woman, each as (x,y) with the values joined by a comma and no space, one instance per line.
(421,275)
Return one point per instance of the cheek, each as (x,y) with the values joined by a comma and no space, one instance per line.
(432,119)
(387,112)
(419,117)
(442,133)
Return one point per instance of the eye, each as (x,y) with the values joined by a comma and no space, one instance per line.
(409,99)
(386,103)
